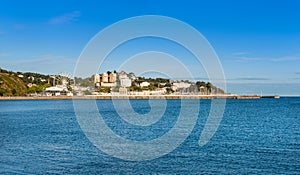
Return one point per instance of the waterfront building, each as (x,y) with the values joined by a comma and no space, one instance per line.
(57,91)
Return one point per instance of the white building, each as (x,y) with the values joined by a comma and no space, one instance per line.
(57,91)
(31,78)
(181,84)
(126,82)
(123,75)
(145,84)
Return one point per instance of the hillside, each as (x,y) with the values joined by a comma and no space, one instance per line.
(11,85)
(20,84)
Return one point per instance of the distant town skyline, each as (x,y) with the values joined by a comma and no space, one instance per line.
(258,42)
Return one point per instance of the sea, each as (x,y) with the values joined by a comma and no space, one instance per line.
(258,136)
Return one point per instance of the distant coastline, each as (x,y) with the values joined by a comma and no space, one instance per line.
(108,85)
(108,97)
(111,82)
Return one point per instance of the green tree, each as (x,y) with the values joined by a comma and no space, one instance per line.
(70,88)
(200,83)
(14,92)
(105,89)
(44,86)
(135,88)
(169,90)
(209,87)
(151,87)
(168,84)
(33,89)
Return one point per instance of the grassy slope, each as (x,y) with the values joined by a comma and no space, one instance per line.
(11,85)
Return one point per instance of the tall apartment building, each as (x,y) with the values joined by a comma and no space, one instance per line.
(105,79)
(112,77)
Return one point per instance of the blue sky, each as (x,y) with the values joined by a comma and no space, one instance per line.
(258,42)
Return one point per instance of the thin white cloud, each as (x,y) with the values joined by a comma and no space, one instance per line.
(277,59)
(65,18)
(246,59)
(286,58)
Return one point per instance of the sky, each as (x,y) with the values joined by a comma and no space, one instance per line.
(257,42)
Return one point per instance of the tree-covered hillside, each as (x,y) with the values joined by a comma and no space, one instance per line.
(19,84)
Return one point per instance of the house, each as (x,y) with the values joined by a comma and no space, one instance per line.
(145,84)
(181,85)
(125,81)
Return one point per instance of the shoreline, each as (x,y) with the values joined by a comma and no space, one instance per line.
(109,97)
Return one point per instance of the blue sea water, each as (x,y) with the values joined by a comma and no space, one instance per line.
(259,136)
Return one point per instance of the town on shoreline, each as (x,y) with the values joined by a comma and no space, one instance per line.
(107,85)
